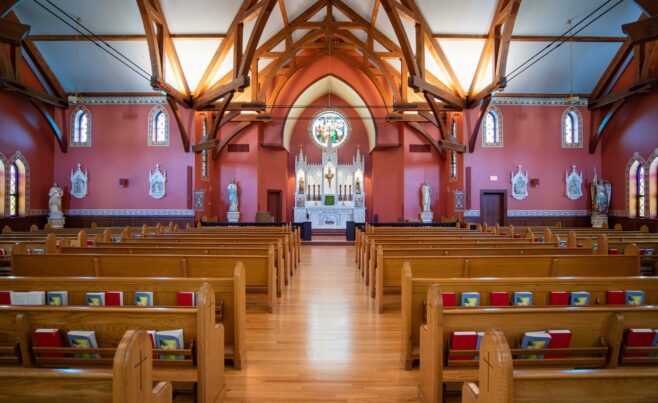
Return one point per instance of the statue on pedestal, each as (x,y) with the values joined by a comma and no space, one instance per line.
(55,201)
(601,191)
(233,196)
(357,186)
(301,184)
(426,191)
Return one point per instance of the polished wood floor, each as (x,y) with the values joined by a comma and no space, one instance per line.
(324,342)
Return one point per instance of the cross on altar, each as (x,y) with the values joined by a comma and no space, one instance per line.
(329,175)
(140,364)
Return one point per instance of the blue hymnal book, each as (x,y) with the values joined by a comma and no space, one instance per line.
(470,299)
(634,297)
(58,298)
(579,298)
(143,298)
(83,339)
(522,298)
(477,344)
(169,340)
(535,341)
(563,243)
(96,298)
(116,239)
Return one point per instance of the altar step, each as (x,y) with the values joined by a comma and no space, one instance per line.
(328,232)
(330,240)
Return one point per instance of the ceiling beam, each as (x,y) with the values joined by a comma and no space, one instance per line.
(613,68)
(118,38)
(237,84)
(478,123)
(405,46)
(596,138)
(638,88)
(6,6)
(179,121)
(529,38)
(642,31)
(650,6)
(7,84)
(61,140)
(13,33)
(448,97)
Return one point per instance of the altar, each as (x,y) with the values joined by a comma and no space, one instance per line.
(329,194)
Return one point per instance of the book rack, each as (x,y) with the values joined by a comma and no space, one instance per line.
(592,357)
(647,356)
(10,354)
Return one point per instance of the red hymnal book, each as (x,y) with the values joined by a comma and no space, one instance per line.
(449,298)
(48,338)
(463,341)
(559,339)
(185,299)
(5,297)
(499,298)
(559,298)
(113,298)
(613,251)
(615,297)
(639,338)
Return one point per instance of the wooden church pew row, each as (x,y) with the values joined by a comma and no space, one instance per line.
(414,294)
(529,249)
(231,291)
(239,246)
(502,266)
(235,250)
(500,382)
(596,342)
(289,252)
(203,352)
(130,380)
(259,270)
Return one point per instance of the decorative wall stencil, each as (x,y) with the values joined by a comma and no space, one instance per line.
(157,183)
(574,184)
(519,184)
(79,182)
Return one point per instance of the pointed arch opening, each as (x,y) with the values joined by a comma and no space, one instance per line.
(492,128)
(158,130)
(652,179)
(636,187)
(18,186)
(572,128)
(80,127)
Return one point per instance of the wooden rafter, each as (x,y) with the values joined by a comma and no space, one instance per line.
(476,129)
(529,38)
(61,140)
(179,121)
(6,6)
(595,138)
(496,47)
(613,68)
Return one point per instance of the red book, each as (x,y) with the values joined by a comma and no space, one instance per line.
(463,341)
(5,297)
(48,338)
(185,299)
(90,243)
(449,298)
(615,297)
(579,245)
(559,298)
(559,339)
(613,251)
(113,298)
(639,338)
(499,298)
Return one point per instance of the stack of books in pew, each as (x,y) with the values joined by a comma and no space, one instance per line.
(641,338)
(86,339)
(525,298)
(545,339)
(101,298)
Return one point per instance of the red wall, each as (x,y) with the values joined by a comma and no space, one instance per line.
(120,150)
(532,138)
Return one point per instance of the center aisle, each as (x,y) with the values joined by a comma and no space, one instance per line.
(324,342)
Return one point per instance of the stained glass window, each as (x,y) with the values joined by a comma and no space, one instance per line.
(329,126)
(453,164)
(453,130)
(81,128)
(13,190)
(640,191)
(158,127)
(491,129)
(568,128)
(571,129)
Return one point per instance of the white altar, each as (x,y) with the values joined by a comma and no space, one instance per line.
(329,194)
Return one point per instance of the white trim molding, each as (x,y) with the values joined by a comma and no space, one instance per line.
(127,100)
(535,101)
(131,212)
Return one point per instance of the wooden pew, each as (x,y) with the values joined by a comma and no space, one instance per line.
(129,381)
(597,337)
(231,291)
(414,294)
(259,270)
(502,266)
(174,249)
(500,382)
(203,365)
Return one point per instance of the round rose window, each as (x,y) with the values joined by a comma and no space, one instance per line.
(329,126)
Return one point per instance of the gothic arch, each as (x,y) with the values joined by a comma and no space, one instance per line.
(498,116)
(578,121)
(152,126)
(4,172)
(23,183)
(632,167)
(652,181)
(76,115)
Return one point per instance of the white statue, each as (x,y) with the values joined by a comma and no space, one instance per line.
(232,196)
(519,184)
(55,201)
(157,182)
(574,184)
(79,182)
(426,191)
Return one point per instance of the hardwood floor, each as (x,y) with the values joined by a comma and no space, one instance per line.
(324,342)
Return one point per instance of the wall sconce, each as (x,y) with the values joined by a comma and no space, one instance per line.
(123,182)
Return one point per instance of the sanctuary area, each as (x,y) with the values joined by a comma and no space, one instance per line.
(328,200)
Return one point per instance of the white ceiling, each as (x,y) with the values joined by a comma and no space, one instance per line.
(83,66)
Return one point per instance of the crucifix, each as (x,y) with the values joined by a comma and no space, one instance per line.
(329,175)
(140,364)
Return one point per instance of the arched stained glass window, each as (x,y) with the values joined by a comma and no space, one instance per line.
(158,127)
(329,126)
(572,129)
(13,190)
(492,129)
(641,208)
(80,127)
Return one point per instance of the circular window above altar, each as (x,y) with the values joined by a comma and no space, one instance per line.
(329,126)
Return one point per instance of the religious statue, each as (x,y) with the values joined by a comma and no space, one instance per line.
(574,184)
(357,186)
(157,182)
(55,201)
(233,196)
(519,184)
(301,184)
(79,182)
(601,192)
(426,191)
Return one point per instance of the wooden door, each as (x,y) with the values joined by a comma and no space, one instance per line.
(274,204)
(493,207)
